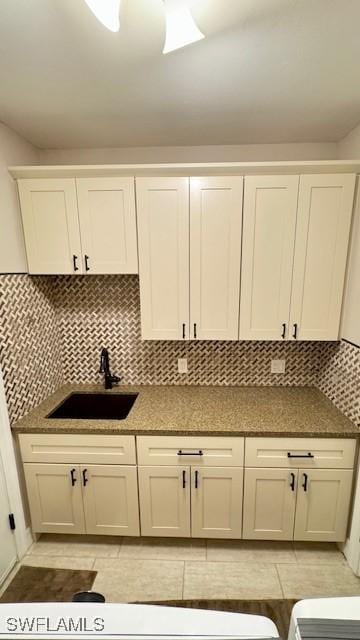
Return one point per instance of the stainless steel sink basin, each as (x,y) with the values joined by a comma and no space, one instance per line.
(95,406)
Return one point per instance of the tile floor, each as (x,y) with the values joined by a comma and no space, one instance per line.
(141,569)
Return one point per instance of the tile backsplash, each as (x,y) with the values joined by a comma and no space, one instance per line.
(53,328)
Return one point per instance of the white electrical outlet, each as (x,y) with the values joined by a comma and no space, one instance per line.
(277,366)
(182,365)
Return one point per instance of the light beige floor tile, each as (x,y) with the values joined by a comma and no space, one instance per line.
(163,549)
(318,553)
(139,580)
(306,581)
(206,580)
(250,551)
(85,546)
(58,562)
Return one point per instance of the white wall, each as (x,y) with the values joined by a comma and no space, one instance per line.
(349,148)
(229,153)
(13,150)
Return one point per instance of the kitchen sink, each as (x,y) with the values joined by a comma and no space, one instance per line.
(95,406)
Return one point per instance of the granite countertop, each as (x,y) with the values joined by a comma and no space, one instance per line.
(190,410)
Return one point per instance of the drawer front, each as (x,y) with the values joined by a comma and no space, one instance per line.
(303,453)
(96,449)
(199,451)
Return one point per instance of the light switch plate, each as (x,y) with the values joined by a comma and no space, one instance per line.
(277,366)
(182,365)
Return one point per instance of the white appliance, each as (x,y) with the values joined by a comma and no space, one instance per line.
(323,608)
(127,621)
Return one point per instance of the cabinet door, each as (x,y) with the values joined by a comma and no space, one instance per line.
(215,251)
(164,501)
(322,237)
(51,225)
(108,224)
(216,502)
(270,204)
(322,507)
(54,492)
(163,236)
(111,503)
(269,504)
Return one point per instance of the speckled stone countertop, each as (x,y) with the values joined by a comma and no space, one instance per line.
(225,411)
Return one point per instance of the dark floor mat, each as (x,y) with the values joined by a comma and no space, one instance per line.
(39,584)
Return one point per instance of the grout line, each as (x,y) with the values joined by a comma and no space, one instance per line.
(281,585)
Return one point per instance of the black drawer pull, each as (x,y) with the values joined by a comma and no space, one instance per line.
(300,455)
(85,479)
(195,330)
(295,331)
(305,485)
(184,479)
(283,331)
(183,331)
(292,481)
(87,268)
(73,479)
(76,268)
(188,453)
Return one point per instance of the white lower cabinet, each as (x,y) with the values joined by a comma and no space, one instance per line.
(298,504)
(67,498)
(322,507)
(164,501)
(269,504)
(55,498)
(202,502)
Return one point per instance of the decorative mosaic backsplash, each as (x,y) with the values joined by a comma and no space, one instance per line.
(30,347)
(53,328)
(104,311)
(339,377)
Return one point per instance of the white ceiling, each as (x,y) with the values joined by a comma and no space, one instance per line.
(268,71)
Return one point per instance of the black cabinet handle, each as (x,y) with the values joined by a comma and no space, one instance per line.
(76,268)
(283,331)
(196,479)
(305,484)
(85,479)
(295,331)
(195,330)
(184,331)
(300,455)
(184,478)
(292,481)
(73,479)
(87,268)
(189,453)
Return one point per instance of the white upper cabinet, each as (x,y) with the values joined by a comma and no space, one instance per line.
(108,224)
(270,204)
(322,238)
(79,226)
(215,250)
(51,226)
(163,237)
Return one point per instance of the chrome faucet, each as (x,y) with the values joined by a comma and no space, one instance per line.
(105,369)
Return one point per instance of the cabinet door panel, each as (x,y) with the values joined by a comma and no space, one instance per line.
(51,225)
(163,236)
(215,250)
(216,502)
(110,495)
(322,510)
(108,224)
(269,504)
(270,204)
(322,236)
(55,505)
(164,501)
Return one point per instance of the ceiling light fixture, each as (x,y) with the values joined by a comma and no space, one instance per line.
(107,12)
(181,29)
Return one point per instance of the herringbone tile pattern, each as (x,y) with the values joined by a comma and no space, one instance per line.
(339,377)
(30,347)
(105,311)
